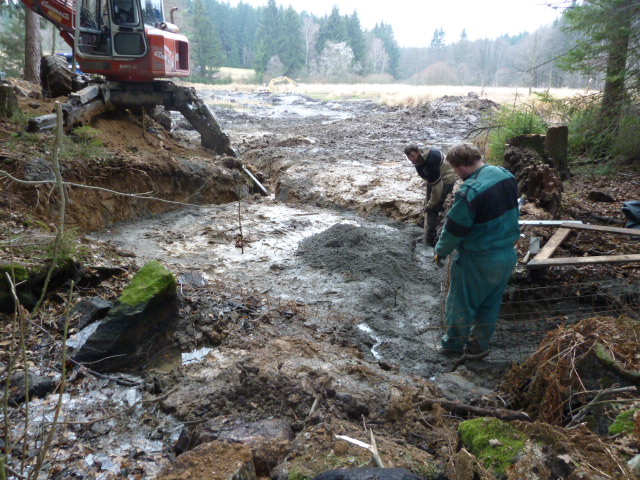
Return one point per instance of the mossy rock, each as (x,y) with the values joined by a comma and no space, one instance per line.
(138,326)
(624,423)
(494,442)
(152,280)
(17,272)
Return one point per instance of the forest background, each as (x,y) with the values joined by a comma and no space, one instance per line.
(335,48)
(594,45)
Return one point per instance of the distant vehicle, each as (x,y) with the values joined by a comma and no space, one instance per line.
(270,87)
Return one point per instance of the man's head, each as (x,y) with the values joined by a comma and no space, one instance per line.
(465,158)
(412,151)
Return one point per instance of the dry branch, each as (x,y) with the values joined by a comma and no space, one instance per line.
(463,409)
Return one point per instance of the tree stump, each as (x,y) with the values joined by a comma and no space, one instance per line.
(535,142)
(557,145)
(8,102)
(537,180)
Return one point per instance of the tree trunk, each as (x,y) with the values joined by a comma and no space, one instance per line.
(613,94)
(32,47)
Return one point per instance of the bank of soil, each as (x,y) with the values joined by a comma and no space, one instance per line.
(312,305)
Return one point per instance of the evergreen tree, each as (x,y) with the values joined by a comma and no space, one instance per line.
(356,40)
(385,33)
(32,47)
(206,48)
(437,41)
(12,40)
(332,29)
(610,46)
(292,52)
(268,37)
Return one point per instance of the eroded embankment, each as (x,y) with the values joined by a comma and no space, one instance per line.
(102,192)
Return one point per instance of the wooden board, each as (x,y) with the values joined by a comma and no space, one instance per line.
(553,243)
(601,228)
(559,261)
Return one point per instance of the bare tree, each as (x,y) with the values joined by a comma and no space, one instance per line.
(310,33)
(378,55)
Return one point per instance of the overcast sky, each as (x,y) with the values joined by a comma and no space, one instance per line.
(413,21)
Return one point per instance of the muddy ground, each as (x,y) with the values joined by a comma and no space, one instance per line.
(312,305)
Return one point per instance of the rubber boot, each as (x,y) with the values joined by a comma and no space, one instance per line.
(432,227)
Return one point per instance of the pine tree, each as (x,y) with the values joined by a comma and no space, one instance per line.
(385,33)
(437,41)
(206,48)
(268,37)
(356,41)
(12,40)
(291,50)
(332,29)
(32,47)
(610,46)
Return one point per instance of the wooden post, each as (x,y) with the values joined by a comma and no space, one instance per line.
(557,144)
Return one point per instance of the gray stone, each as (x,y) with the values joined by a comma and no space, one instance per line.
(88,311)
(39,386)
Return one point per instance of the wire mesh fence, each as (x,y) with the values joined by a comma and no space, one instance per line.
(527,314)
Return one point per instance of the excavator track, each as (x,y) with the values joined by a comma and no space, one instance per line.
(97,98)
(55,76)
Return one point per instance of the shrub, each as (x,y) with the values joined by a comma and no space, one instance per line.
(510,122)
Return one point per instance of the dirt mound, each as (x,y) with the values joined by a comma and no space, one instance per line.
(360,252)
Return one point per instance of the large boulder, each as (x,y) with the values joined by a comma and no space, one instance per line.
(269,439)
(138,325)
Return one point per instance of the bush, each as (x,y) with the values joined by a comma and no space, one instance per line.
(510,122)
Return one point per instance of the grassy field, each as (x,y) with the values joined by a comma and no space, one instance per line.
(387,94)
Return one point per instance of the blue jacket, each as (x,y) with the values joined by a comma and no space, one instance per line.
(484,215)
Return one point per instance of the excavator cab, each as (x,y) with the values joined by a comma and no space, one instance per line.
(125,41)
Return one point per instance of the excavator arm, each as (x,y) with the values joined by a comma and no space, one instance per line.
(60,13)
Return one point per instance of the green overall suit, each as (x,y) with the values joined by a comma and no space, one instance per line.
(482,225)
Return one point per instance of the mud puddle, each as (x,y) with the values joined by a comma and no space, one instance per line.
(366,270)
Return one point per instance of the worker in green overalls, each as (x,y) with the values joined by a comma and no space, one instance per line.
(482,225)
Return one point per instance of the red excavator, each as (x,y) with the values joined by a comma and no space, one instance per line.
(129,46)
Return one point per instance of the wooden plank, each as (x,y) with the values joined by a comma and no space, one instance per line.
(560,261)
(547,223)
(602,228)
(553,243)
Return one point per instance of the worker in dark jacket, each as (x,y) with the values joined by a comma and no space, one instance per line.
(431,164)
(482,225)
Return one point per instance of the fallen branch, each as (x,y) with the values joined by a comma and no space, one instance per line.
(466,357)
(463,409)
(582,411)
(608,361)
